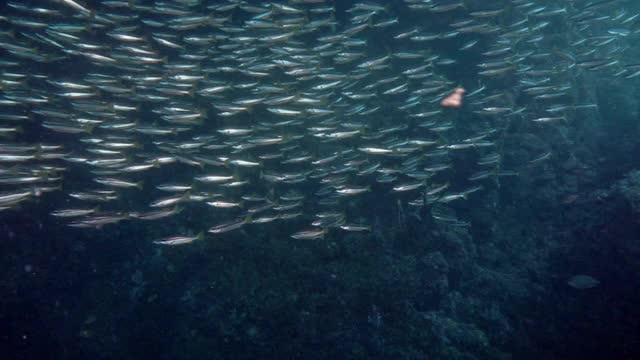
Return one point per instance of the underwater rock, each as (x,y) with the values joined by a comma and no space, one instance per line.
(629,188)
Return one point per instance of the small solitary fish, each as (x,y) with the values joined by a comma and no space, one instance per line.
(583,282)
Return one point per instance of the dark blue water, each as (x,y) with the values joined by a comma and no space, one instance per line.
(490,281)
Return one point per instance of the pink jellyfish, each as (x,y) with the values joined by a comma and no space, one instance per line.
(454,99)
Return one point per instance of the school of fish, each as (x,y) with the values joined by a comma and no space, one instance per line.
(260,113)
